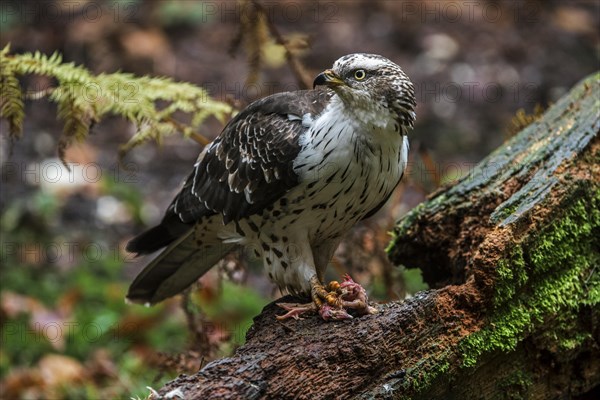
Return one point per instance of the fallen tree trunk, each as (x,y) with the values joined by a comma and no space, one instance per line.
(512,254)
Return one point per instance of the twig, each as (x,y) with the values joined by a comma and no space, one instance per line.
(196,324)
(296,66)
(197,137)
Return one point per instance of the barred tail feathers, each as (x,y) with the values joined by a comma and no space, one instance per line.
(176,268)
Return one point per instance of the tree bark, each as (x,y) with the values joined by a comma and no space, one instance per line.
(511,253)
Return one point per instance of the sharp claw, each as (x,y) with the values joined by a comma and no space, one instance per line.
(289,306)
(289,314)
(331,302)
(295,310)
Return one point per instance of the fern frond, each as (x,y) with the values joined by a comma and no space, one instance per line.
(84,99)
(11,98)
(77,124)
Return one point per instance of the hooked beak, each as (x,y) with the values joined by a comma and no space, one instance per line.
(328,78)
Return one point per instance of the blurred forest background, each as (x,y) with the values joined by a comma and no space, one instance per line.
(66,332)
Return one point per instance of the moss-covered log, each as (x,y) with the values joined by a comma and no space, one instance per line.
(512,252)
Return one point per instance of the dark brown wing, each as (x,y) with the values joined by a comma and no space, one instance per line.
(245,169)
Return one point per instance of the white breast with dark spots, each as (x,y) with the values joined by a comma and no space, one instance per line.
(346,170)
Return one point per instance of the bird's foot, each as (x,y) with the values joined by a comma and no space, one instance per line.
(296,310)
(331,301)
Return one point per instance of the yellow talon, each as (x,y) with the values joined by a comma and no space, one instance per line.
(332,299)
(333,286)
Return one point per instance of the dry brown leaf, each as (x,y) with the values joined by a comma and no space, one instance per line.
(21,381)
(149,43)
(59,370)
(45,323)
(572,19)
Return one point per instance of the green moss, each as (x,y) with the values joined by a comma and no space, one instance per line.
(592,285)
(424,372)
(566,334)
(504,211)
(515,386)
(559,264)
(512,276)
(404,224)
(408,221)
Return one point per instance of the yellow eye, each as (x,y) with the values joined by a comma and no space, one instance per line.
(359,74)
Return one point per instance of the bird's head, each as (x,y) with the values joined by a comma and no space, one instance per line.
(371,82)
